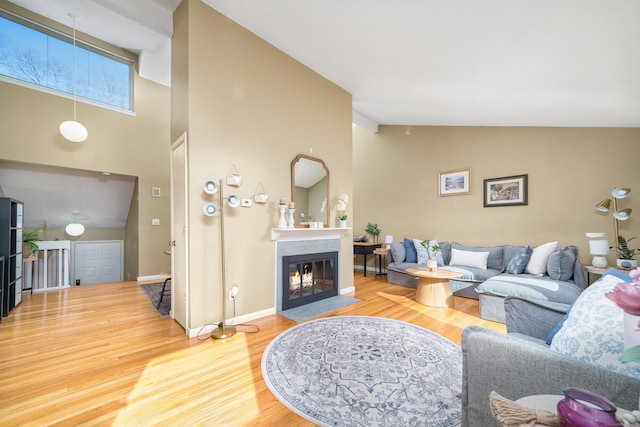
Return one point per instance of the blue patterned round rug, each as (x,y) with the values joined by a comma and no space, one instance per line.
(365,371)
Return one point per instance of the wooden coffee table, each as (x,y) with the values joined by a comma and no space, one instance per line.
(434,288)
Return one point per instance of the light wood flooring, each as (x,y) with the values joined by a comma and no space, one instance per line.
(100,355)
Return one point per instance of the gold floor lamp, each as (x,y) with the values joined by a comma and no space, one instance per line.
(211,209)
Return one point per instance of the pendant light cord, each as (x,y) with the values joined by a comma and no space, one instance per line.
(75,82)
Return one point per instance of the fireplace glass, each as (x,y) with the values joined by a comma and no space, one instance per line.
(309,278)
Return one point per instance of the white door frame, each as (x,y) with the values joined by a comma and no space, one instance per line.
(180,237)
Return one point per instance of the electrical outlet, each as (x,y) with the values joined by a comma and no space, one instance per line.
(233,293)
(245,203)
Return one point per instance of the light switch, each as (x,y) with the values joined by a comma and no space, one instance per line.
(155,221)
(246,203)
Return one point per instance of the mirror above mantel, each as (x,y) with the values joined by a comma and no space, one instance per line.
(310,190)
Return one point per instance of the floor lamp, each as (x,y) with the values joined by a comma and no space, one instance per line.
(210,209)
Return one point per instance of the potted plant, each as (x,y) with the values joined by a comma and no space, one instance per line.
(432,249)
(342,207)
(625,254)
(29,239)
(373,230)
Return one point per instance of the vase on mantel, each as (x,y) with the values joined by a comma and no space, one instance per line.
(343,223)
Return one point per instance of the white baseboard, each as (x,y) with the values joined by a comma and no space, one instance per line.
(153,278)
(347,290)
(208,328)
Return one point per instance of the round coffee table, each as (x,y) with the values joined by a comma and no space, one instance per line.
(434,288)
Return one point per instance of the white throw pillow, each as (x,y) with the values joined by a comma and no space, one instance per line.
(537,264)
(469,259)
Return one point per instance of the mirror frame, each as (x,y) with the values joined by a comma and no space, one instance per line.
(293,181)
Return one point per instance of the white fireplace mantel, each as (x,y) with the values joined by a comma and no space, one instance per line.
(307,233)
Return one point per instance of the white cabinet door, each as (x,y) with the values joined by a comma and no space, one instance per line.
(97,262)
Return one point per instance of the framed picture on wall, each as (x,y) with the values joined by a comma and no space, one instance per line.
(506,191)
(454,183)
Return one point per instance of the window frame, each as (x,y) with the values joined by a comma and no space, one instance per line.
(60,35)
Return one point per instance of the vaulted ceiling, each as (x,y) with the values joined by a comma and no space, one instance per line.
(408,62)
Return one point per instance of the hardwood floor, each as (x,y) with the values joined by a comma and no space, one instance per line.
(100,355)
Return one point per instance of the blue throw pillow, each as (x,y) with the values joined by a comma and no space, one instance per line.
(409,247)
(555,330)
(519,260)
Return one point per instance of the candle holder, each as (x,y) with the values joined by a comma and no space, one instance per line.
(292,223)
(282,224)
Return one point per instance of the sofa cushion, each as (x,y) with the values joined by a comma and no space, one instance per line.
(531,287)
(445,251)
(560,264)
(537,264)
(398,252)
(471,274)
(469,259)
(519,260)
(410,249)
(593,331)
(496,254)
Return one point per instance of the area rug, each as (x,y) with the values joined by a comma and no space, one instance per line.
(152,291)
(307,311)
(365,371)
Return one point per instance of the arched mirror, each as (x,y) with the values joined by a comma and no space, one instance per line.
(310,190)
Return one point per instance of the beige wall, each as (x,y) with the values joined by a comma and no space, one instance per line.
(119,143)
(570,170)
(251,106)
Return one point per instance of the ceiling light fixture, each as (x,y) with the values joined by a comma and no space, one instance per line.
(72,129)
(74,229)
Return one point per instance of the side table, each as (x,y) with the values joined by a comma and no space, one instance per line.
(381,252)
(365,248)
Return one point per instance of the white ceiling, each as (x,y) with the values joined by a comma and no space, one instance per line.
(425,62)
(405,62)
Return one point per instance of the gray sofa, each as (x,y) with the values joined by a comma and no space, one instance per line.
(563,282)
(520,363)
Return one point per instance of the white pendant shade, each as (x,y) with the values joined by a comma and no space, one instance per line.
(74,229)
(73,131)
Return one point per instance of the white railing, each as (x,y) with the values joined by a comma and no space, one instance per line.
(49,267)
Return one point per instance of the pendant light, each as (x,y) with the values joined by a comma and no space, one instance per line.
(74,229)
(72,129)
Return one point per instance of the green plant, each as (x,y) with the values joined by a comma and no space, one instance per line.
(32,237)
(373,230)
(623,250)
(343,217)
(432,249)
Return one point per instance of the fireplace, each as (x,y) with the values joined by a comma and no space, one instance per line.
(308,278)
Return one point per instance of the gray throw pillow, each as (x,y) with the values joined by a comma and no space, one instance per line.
(519,261)
(397,252)
(560,264)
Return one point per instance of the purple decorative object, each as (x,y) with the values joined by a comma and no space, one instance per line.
(581,408)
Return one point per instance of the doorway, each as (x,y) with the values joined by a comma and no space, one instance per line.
(179,232)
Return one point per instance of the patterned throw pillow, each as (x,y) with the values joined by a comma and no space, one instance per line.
(421,251)
(519,261)
(593,331)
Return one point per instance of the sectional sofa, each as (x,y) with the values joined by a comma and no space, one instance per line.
(550,347)
(491,273)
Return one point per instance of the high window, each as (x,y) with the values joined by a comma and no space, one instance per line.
(43,58)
